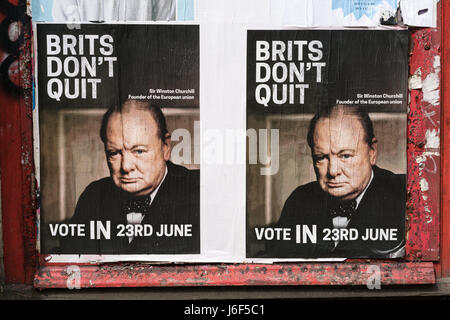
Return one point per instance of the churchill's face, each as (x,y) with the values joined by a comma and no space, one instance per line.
(342,158)
(135,153)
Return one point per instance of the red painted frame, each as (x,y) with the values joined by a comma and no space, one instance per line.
(19,203)
(423,207)
(144,275)
(16,158)
(444,265)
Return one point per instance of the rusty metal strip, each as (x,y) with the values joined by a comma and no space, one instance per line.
(143,275)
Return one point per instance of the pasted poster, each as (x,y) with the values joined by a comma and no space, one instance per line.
(69,11)
(118,108)
(359,13)
(328,109)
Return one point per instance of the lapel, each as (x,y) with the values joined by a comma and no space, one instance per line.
(366,215)
(111,210)
(173,204)
(160,202)
(323,248)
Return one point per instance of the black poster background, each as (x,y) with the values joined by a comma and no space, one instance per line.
(357,62)
(149,56)
(372,61)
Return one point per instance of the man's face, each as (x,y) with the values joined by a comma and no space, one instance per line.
(342,158)
(135,154)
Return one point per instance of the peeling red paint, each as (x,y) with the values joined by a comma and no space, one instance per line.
(445,141)
(16,156)
(423,186)
(27,162)
(144,275)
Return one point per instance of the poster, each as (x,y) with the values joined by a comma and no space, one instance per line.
(359,13)
(118,108)
(326,143)
(111,10)
(265,96)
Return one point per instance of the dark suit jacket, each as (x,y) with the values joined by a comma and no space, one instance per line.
(177,202)
(382,206)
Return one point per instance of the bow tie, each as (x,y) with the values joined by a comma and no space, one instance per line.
(135,209)
(343,209)
(141,205)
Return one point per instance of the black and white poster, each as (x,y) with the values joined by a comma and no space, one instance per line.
(326,143)
(118,109)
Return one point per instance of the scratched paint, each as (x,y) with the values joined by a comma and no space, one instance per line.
(431,83)
(444,264)
(423,146)
(141,275)
(432,139)
(415,81)
(423,185)
(430,87)
(437,63)
(16,141)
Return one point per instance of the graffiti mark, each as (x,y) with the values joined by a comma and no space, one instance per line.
(428,113)
(432,138)
(424,164)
